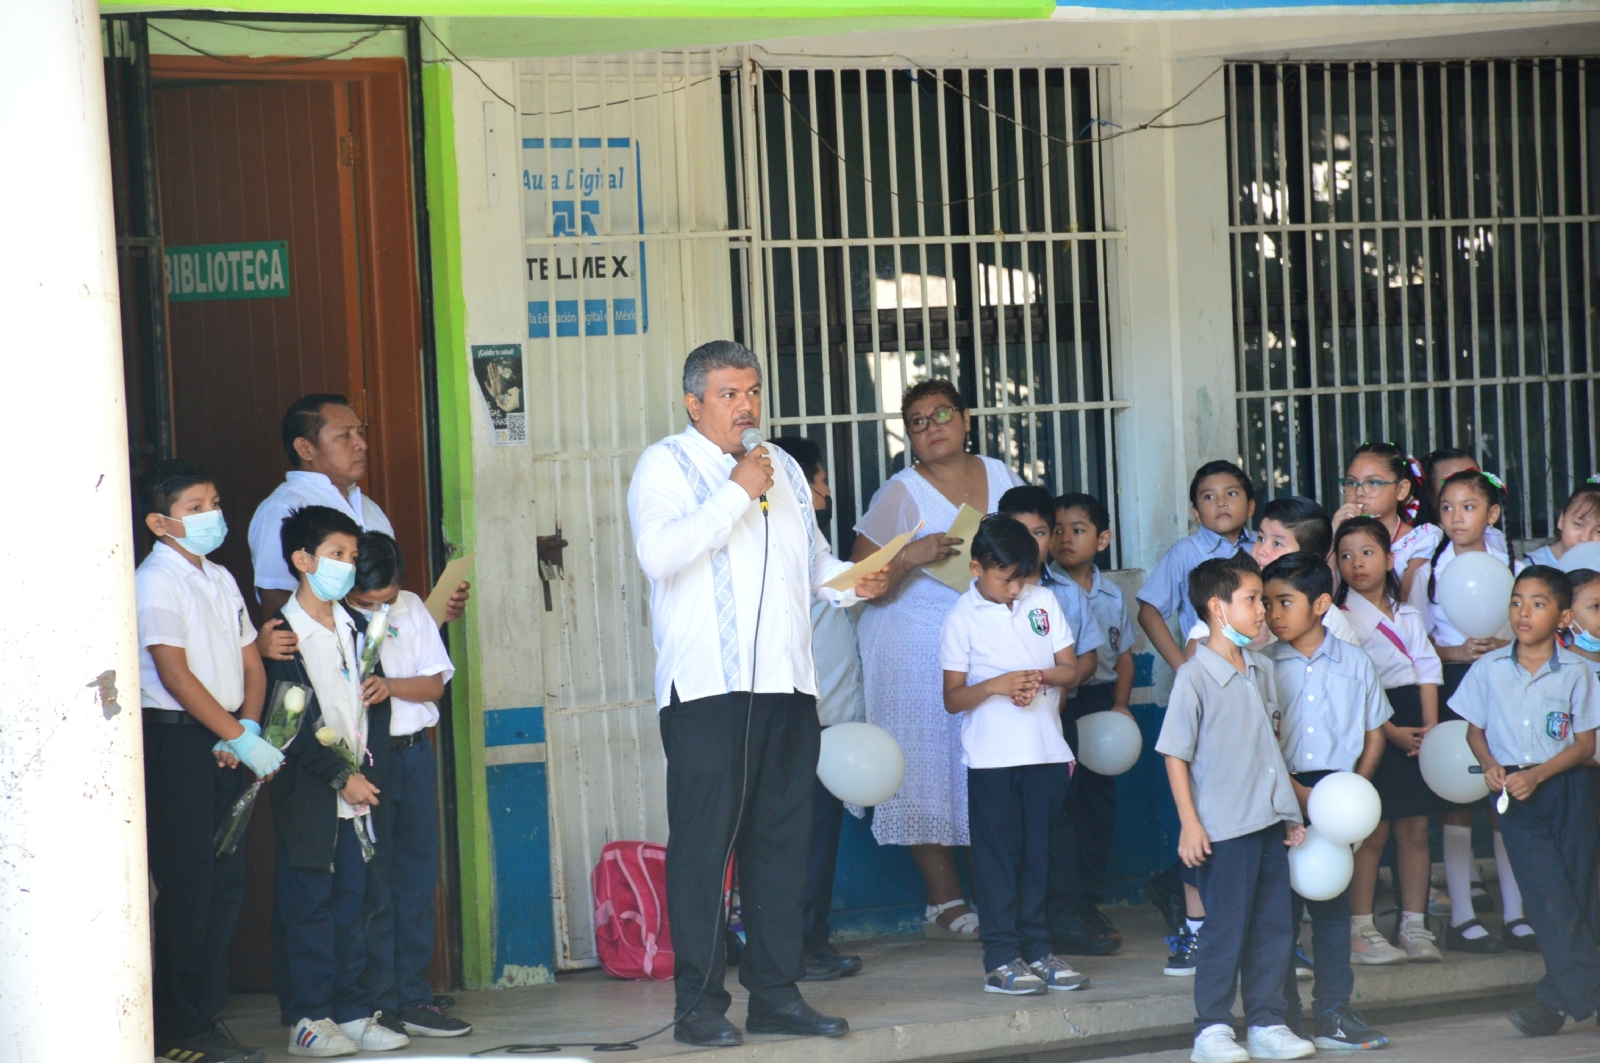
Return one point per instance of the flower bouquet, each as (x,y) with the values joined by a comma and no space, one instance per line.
(285,708)
(332,740)
(377,628)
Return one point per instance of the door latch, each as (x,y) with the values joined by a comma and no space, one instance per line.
(548,549)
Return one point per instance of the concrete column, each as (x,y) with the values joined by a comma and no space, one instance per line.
(74,916)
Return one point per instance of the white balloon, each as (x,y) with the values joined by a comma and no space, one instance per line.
(1475,594)
(1584,555)
(860,764)
(1108,742)
(1445,759)
(1319,867)
(1345,807)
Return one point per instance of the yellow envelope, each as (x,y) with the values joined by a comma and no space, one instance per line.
(954,571)
(449,580)
(846,580)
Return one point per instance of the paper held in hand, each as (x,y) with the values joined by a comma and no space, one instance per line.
(452,577)
(953,571)
(846,580)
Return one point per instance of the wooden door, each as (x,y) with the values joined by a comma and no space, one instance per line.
(310,163)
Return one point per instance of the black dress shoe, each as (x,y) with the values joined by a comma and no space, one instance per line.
(1520,942)
(826,963)
(1073,937)
(1097,923)
(1537,1020)
(799,1018)
(1487,945)
(707,1031)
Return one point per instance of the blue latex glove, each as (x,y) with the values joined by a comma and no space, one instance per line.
(250,727)
(253,751)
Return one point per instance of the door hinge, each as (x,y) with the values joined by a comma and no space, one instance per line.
(548,550)
(349,150)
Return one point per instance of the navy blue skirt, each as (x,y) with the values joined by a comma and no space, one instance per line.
(1399,777)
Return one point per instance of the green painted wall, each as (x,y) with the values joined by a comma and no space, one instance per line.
(628,9)
(455,439)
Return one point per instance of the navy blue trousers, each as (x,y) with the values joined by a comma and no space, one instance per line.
(401,878)
(1550,839)
(325,948)
(1080,837)
(827,817)
(1249,932)
(199,894)
(1010,811)
(1330,940)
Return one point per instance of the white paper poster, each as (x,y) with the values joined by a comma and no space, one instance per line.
(499,371)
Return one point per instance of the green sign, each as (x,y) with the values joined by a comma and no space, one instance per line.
(228,271)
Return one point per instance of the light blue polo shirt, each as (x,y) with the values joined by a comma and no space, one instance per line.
(1330,701)
(1110,611)
(1167,587)
(1529,718)
(1074,604)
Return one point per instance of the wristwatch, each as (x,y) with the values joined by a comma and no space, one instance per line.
(339,780)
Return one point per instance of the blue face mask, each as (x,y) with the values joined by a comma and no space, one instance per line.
(332,580)
(1234,636)
(203,532)
(1586,642)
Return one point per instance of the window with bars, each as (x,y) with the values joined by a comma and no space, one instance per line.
(1414,257)
(914,223)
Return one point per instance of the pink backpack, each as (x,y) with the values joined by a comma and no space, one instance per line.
(630,911)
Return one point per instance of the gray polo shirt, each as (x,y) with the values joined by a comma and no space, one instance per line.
(1330,701)
(1528,718)
(1224,724)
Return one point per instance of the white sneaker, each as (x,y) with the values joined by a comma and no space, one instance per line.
(371,1035)
(1215,1044)
(320,1038)
(1368,946)
(1418,942)
(1278,1042)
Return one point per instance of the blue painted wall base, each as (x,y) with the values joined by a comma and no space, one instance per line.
(519,822)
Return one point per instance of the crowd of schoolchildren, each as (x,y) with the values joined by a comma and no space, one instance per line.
(352,781)
(1315,644)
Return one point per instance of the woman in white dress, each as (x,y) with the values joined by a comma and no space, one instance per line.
(899,635)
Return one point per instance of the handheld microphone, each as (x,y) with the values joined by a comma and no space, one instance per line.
(751,438)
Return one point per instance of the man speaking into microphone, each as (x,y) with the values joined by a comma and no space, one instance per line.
(723,527)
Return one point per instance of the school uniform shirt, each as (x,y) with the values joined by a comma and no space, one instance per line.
(198,610)
(1220,720)
(1528,718)
(1400,649)
(840,695)
(701,540)
(1421,540)
(1336,623)
(1109,610)
(1543,556)
(1086,632)
(985,639)
(1440,630)
(301,488)
(333,664)
(411,649)
(1167,587)
(1330,701)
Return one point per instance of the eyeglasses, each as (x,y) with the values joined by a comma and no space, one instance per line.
(1370,486)
(941,415)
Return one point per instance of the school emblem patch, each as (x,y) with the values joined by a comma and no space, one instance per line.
(1039,620)
(1557,725)
(1115,639)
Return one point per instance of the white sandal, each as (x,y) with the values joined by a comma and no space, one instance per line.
(962,928)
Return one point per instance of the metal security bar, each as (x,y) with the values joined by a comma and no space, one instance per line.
(913,223)
(1414,252)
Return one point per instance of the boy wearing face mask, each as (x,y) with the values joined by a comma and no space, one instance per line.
(201,686)
(320,802)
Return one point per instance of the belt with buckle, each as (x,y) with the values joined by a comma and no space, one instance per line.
(174,717)
(406,741)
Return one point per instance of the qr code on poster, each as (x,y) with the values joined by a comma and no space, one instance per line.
(517,428)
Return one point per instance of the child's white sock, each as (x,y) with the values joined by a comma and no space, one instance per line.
(1411,919)
(1357,922)
(1510,895)
(1194,925)
(1458,878)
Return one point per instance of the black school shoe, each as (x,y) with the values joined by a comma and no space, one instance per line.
(1523,942)
(707,1031)
(826,963)
(1342,1029)
(798,1018)
(210,1047)
(1488,945)
(1537,1020)
(1074,936)
(1097,923)
(426,1020)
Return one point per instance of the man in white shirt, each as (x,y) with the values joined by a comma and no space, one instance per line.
(326,443)
(731,547)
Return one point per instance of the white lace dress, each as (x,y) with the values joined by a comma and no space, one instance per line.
(900,669)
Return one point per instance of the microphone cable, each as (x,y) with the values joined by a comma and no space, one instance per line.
(632,1044)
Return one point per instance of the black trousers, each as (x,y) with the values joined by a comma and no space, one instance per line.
(1550,839)
(1010,811)
(1080,837)
(827,817)
(1248,933)
(198,894)
(704,741)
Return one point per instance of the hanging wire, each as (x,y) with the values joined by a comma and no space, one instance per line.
(274,63)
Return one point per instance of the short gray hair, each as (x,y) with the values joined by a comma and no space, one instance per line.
(718,354)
